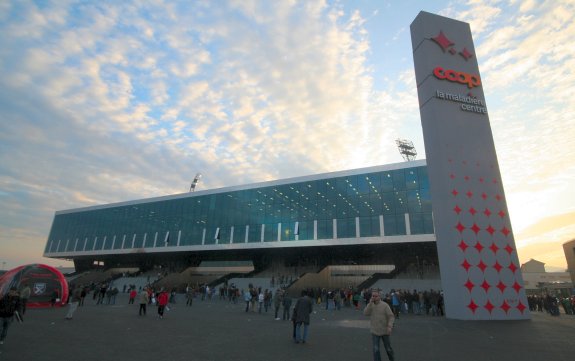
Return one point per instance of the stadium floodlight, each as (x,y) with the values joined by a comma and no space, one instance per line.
(406,149)
(195,182)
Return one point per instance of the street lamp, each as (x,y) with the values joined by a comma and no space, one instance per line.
(195,182)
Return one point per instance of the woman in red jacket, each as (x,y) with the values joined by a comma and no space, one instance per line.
(162,302)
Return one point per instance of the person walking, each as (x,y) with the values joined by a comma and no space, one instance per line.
(24,296)
(302,310)
(143,299)
(76,297)
(286,304)
(278,298)
(381,323)
(9,305)
(163,299)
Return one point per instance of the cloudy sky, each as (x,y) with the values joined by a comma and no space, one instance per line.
(109,101)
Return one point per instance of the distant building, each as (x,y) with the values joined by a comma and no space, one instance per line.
(537,280)
(569,249)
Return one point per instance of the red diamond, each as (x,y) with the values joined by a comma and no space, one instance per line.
(490,229)
(463,245)
(501,214)
(494,181)
(466,54)
(501,286)
(469,194)
(512,267)
(443,41)
(487,212)
(486,286)
(509,249)
(472,306)
(498,197)
(475,228)
(481,180)
(454,192)
(517,287)
(478,246)
(505,231)
(469,285)
(460,227)
(489,306)
(472,211)
(457,209)
(466,178)
(494,248)
(521,307)
(484,196)
(497,266)
(482,266)
(452,176)
(505,307)
(466,265)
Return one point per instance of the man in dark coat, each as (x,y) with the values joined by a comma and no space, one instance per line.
(9,305)
(301,312)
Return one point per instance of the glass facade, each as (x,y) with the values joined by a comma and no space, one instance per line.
(370,202)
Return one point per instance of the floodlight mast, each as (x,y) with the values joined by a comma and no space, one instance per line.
(195,182)
(406,149)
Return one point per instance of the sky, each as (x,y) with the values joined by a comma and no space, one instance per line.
(110,101)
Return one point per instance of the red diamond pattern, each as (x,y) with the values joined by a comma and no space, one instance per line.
(512,267)
(484,196)
(517,287)
(466,265)
(478,246)
(463,246)
(457,209)
(472,306)
(472,211)
(489,306)
(469,285)
(505,231)
(481,180)
(475,228)
(490,229)
(494,248)
(501,286)
(469,194)
(501,214)
(521,307)
(486,286)
(454,192)
(505,307)
(466,178)
(487,212)
(497,266)
(494,181)
(452,176)
(509,249)
(460,227)
(482,266)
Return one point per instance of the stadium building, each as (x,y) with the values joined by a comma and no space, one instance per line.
(370,216)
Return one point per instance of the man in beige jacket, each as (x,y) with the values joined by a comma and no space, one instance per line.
(381,323)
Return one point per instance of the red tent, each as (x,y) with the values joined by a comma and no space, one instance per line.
(48,285)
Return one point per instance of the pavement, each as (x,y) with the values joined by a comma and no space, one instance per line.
(221,331)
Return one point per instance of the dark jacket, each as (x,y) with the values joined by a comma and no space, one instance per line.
(9,304)
(302,310)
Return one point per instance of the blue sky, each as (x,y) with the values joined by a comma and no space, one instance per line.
(108,101)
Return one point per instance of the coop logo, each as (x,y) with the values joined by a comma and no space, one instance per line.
(457,77)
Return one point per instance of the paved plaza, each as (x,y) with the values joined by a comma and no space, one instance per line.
(220,331)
